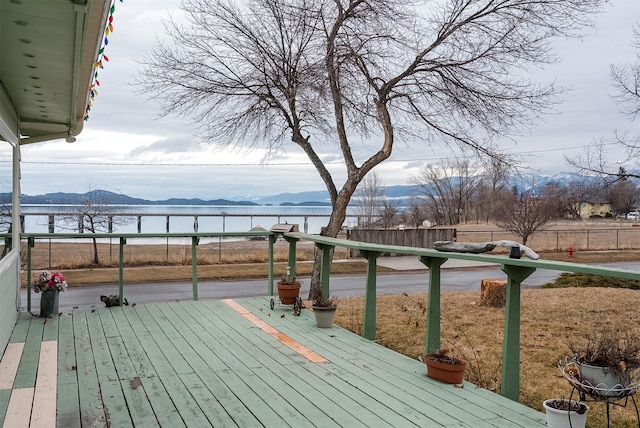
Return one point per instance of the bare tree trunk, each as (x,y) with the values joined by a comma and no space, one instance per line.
(336,220)
(95,251)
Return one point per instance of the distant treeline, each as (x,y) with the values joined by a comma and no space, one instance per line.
(111,198)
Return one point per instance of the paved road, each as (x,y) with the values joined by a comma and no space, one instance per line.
(467,279)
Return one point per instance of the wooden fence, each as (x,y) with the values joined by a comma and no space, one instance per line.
(418,238)
(543,240)
(560,240)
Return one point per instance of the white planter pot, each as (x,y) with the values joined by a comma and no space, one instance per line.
(324,315)
(564,419)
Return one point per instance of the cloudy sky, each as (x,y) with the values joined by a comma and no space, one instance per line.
(126,148)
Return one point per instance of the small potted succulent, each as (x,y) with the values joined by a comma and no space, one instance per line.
(444,367)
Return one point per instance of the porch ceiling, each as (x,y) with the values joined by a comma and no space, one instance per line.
(47,52)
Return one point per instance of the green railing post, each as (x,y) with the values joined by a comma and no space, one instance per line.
(30,243)
(325,268)
(123,241)
(272,240)
(292,255)
(194,266)
(432,339)
(369,327)
(510,382)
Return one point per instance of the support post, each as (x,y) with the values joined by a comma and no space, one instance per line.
(292,255)
(369,324)
(30,243)
(194,265)
(510,382)
(272,240)
(325,269)
(123,241)
(432,339)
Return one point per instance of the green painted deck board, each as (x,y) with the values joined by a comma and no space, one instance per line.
(338,345)
(104,362)
(115,407)
(26,375)
(273,387)
(297,379)
(207,377)
(235,375)
(91,405)
(5,395)
(181,396)
(304,376)
(204,364)
(138,404)
(21,329)
(381,391)
(68,406)
(387,373)
(68,401)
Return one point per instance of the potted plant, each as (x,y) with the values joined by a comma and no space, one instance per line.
(563,413)
(324,308)
(49,285)
(607,361)
(444,367)
(288,288)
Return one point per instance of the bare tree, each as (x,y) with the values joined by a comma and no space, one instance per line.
(596,160)
(389,213)
(325,74)
(626,80)
(369,199)
(94,213)
(415,212)
(523,215)
(494,181)
(623,196)
(448,189)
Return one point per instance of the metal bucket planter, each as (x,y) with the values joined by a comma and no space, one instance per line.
(606,381)
(49,303)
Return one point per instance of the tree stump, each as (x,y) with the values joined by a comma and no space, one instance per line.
(493,292)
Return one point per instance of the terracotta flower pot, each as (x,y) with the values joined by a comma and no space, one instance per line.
(288,293)
(447,372)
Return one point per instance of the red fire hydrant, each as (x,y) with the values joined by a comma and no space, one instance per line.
(571,251)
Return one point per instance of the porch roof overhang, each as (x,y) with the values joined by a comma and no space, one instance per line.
(48,49)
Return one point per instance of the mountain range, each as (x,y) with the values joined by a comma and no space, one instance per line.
(313,198)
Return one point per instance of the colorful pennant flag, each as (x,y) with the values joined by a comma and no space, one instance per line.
(98,63)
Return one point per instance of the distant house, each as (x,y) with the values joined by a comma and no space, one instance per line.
(595,209)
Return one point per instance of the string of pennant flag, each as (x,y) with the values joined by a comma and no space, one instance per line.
(93,91)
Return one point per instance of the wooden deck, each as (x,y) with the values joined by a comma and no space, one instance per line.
(224,363)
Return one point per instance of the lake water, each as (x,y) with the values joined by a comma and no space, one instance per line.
(184,218)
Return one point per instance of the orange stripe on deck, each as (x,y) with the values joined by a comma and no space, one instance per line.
(283,338)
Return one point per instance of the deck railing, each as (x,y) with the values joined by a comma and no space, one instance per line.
(517,270)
